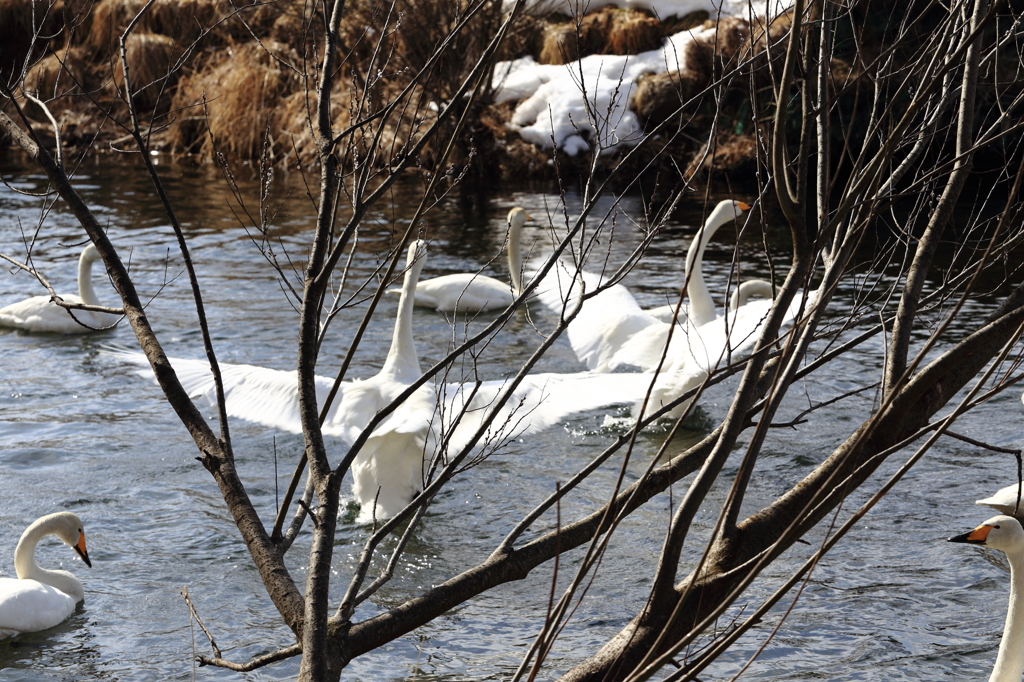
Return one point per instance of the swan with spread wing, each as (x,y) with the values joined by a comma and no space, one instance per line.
(612,331)
(391,466)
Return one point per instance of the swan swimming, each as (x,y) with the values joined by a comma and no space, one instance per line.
(468,292)
(40,314)
(1005,533)
(396,457)
(39,598)
(612,331)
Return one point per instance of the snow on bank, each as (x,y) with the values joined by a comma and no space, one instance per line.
(556,98)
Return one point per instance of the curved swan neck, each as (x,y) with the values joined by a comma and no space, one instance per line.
(402,357)
(1010,659)
(516,220)
(85,289)
(750,289)
(702,308)
(25,561)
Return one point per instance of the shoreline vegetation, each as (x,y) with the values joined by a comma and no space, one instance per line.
(216,81)
(221,83)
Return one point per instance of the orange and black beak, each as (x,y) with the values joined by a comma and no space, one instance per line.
(742,206)
(978,536)
(80,548)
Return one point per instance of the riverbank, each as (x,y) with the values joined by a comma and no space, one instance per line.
(568,94)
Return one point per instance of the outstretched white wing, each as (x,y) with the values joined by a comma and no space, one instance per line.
(257,394)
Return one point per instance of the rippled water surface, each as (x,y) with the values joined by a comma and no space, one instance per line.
(80,431)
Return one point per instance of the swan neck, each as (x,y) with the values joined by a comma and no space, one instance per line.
(85,289)
(402,356)
(702,308)
(1010,659)
(27,569)
(515,256)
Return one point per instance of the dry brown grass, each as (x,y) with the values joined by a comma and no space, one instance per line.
(674,24)
(183,21)
(609,30)
(57,75)
(729,154)
(560,44)
(713,54)
(624,31)
(151,62)
(411,35)
(109,20)
(243,87)
(657,96)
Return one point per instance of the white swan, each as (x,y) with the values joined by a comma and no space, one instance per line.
(39,598)
(40,314)
(1005,533)
(390,468)
(612,331)
(471,292)
(701,307)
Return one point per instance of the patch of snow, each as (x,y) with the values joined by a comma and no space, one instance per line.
(558,97)
(564,105)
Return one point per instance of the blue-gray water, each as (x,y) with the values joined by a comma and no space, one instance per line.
(80,431)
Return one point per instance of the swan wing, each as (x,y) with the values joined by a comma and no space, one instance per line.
(667,313)
(604,324)
(540,401)
(257,394)
(31,606)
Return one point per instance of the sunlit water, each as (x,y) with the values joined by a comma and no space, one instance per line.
(80,431)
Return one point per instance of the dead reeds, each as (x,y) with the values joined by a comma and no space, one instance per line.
(229,106)
(152,68)
(609,30)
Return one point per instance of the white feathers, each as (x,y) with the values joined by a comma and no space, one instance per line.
(391,466)
(40,314)
(472,292)
(39,598)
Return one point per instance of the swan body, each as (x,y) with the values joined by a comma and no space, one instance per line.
(612,331)
(390,468)
(39,598)
(40,314)
(1005,533)
(471,292)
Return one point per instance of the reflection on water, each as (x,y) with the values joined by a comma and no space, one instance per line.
(80,432)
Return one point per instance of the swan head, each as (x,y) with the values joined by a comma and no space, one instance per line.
(517,217)
(1000,532)
(90,254)
(68,528)
(417,252)
(726,211)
